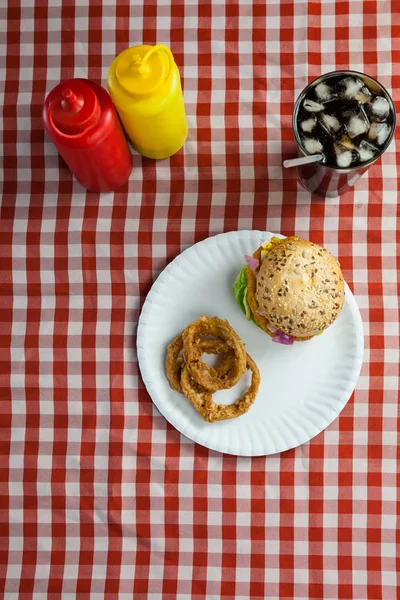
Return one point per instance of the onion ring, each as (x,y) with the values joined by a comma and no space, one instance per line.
(219,347)
(173,363)
(175,359)
(205,405)
(207,377)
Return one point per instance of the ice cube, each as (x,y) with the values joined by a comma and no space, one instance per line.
(379,132)
(350,86)
(344,159)
(313,107)
(308,125)
(364,95)
(330,124)
(347,143)
(354,87)
(344,156)
(356,123)
(312,145)
(324,92)
(379,108)
(367,151)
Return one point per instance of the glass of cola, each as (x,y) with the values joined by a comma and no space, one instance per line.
(350,119)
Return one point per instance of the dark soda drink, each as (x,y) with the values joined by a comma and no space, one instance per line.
(349,118)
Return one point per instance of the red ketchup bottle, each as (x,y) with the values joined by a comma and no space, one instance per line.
(80,118)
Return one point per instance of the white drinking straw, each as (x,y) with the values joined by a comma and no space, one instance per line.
(304,160)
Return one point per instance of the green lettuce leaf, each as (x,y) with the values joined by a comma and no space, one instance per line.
(240,292)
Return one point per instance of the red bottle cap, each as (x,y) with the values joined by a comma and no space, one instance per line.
(75,109)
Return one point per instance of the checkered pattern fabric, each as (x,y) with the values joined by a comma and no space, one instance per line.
(99,496)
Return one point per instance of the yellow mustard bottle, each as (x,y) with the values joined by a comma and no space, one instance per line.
(145,86)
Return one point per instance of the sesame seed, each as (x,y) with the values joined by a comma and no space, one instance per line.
(298,271)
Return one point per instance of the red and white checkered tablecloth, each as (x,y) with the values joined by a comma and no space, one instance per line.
(99,496)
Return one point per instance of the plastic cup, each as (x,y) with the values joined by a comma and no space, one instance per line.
(322,179)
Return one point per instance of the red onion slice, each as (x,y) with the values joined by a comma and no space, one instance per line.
(283,338)
(252,262)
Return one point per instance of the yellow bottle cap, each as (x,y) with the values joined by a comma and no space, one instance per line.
(141,69)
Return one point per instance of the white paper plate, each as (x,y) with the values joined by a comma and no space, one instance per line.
(303,387)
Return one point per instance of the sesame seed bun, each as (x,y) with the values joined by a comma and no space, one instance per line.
(299,288)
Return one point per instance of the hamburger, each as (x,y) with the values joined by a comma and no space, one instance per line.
(291,288)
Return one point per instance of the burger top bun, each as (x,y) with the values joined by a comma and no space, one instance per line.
(300,287)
